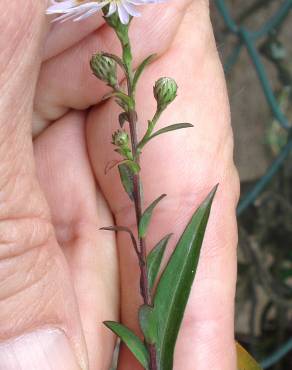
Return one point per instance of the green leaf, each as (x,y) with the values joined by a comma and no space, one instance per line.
(123,100)
(115,58)
(148,324)
(141,68)
(164,130)
(123,117)
(126,176)
(134,344)
(176,281)
(146,217)
(133,166)
(124,229)
(244,360)
(154,260)
(177,126)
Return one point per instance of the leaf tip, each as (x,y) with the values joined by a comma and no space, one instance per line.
(105,229)
(108,323)
(213,192)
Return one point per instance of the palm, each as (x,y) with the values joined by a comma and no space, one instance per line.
(186,166)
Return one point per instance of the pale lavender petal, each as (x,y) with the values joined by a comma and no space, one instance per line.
(131,9)
(60,7)
(123,14)
(144,2)
(87,14)
(112,9)
(64,17)
(74,9)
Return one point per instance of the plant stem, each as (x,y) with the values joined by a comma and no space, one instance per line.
(137,185)
(132,115)
(138,208)
(151,125)
(142,242)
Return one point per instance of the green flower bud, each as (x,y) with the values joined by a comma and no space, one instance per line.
(104,68)
(120,139)
(165,91)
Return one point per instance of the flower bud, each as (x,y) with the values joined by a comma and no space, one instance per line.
(120,139)
(104,68)
(165,91)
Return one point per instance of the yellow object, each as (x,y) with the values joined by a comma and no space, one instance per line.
(244,360)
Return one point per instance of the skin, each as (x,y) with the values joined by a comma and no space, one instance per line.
(55,196)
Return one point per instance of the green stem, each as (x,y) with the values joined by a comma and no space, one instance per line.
(151,126)
(122,33)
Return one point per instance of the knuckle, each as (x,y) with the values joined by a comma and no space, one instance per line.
(31,269)
(20,235)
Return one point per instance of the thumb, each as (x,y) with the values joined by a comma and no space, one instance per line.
(39,321)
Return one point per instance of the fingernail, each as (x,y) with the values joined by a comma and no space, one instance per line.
(40,350)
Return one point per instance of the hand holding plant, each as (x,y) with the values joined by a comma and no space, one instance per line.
(184,164)
(161,314)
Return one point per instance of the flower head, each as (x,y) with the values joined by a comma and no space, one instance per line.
(104,68)
(120,138)
(165,91)
(81,9)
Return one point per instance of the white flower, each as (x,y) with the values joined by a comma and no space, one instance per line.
(81,9)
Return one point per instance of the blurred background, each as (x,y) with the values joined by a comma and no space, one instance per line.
(254,38)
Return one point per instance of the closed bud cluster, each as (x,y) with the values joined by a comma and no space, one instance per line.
(120,139)
(165,91)
(104,68)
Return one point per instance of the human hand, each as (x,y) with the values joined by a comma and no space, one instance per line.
(57,212)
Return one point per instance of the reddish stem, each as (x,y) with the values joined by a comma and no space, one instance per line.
(145,292)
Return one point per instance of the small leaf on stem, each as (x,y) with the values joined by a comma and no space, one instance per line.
(110,165)
(175,284)
(123,118)
(127,230)
(146,217)
(148,324)
(130,339)
(245,360)
(116,59)
(141,68)
(133,166)
(154,259)
(177,126)
(127,176)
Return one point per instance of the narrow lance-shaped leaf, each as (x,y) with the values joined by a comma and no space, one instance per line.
(124,229)
(177,126)
(148,324)
(176,281)
(154,259)
(130,339)
(123,117)
(126,176)
(117,59)
(146,217)
(245,360)
(122,99)
(141,68)
(133,166)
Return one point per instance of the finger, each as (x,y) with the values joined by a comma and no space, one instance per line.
(193,162)
(62,36)
(78,211)
(66,80)
(39,319)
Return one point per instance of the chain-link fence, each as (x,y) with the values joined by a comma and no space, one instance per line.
(265,210)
